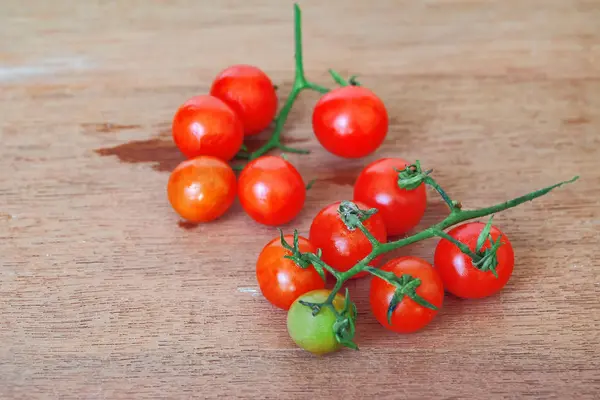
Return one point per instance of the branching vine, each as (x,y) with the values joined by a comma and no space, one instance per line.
(301,83)
(409,178)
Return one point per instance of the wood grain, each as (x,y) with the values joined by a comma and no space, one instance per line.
(105,295)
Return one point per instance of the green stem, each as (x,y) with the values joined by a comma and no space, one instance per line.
(431,182)
(372,239)
(463,247)
(338,78)
(300,84)
(406,285)
(456,216)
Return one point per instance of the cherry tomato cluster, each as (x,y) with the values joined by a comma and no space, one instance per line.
(209,129)
(346,239)
(406,293)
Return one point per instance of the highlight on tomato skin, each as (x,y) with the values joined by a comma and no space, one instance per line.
(205,126)
(342,249)
(271,190)
(281,281)
(250,94)
(314,333)
(460,276)
(350,121)
(201,189)
(408,316)
(377,187)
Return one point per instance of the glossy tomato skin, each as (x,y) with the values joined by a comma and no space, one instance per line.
(460,277)
(271,190)
(350,121)
(408,316)
(281,281)
(250,93)
(377,186)
(201,189)
(314,333)
(342,248)
(206,126)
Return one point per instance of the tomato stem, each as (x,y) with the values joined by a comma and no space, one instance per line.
(463,247)
(485,260)
(338,78)
(300,84)
(412,176)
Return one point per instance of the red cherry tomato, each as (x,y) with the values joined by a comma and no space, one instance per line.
(460,276)
(408,315)
(271,190)
(377,187)
(201,189)
(350,121)
(205,125)
(250,93)
(281,281)
(341,247)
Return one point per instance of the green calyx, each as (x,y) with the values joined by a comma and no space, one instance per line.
(344,326)
(487,259)
(303,260)
(406,286)
(483,259)
(412,176)
(352,215)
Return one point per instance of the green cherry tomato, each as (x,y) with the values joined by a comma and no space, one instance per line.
(314,333)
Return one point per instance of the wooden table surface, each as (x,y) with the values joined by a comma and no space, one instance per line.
(106,294)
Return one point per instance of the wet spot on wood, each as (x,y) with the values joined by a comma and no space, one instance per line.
(187,225)
(108,127)
(576,121)
(161,152)
(254,143)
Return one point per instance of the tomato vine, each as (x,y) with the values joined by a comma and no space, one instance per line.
(409,178)
(301,83)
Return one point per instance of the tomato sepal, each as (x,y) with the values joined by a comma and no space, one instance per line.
(413,176)
(344,327)
(352,215)
(487,260)
(303,260)
(406,285)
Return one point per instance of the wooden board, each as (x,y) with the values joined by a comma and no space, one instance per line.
(105,294)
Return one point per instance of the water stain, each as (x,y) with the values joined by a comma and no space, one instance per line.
(162,152)
(254,143)
(108,127)
(187,225)
(576,121)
